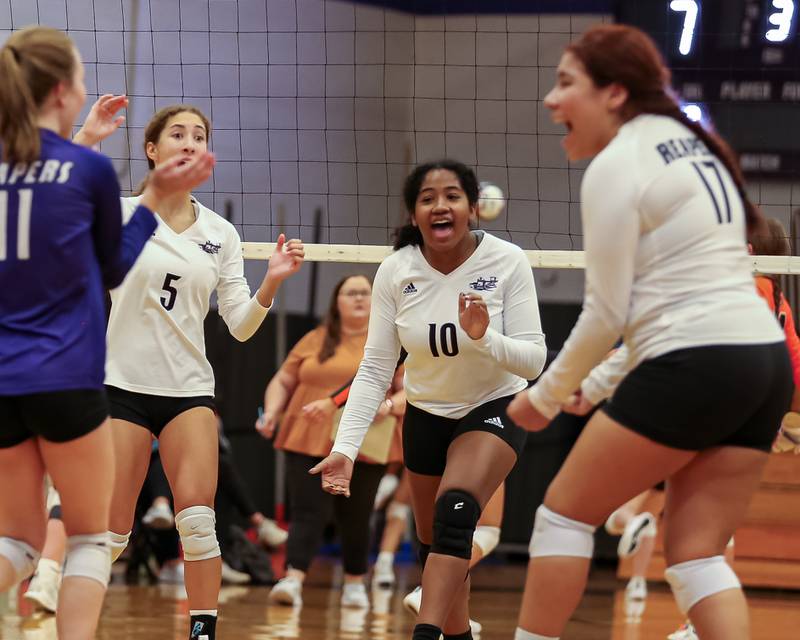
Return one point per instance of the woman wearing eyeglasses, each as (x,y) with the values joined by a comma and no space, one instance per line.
(323,361)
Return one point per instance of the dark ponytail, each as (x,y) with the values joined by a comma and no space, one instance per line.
(771,240)
(409,233)
(627,56)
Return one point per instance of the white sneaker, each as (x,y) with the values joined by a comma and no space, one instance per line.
(43,589)
(232,576)
(270,534)
(171,573)
(640,526)
(383,572)
(685,632)
(381,600)
(413,601)
(287,591)
(636,589)
(159,516)
(354,596)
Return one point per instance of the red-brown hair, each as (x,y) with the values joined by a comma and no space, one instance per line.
(627,56)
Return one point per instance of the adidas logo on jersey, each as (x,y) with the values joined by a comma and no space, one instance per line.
(495,422)
(409,289)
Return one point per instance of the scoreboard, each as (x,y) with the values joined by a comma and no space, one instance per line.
(735,64)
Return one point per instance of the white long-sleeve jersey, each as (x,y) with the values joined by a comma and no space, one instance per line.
(155,336)
(447,373)
(666,261)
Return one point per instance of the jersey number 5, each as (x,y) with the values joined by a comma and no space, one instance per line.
(169,301)
(447,339)
(23,224)
(712,180)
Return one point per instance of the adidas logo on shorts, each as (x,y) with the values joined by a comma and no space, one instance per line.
(495,422)
(409,289)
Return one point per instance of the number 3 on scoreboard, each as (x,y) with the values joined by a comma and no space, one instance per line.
(781,17)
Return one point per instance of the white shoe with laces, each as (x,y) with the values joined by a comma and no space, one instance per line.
(636,589)
(354,596)
(685,632)
(640,526)
(287,591)
(232,576)
(383,571)
(413,601)
(43,588)
(159,516)
(270,534)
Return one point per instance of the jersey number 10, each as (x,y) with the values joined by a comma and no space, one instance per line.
(447,339)
(23,224)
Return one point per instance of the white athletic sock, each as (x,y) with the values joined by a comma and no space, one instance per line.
(521,634)
(203,612)
(385,557)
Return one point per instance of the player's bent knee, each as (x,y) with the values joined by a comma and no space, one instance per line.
(557,535)
(398,511)
(197,528)
(88,556)
(117,543)
(695,580)
(22,556)
(486,538)
(455,516)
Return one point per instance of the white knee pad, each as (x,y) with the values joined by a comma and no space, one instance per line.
(697,579)
(117,543)
(557,535)
(22,556)
(197,528)
(398,511)
(88,556)
(486,538)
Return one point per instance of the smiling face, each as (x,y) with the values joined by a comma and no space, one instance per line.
(442,211)
(184,133)
(590,113)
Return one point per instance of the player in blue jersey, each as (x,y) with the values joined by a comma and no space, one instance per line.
(61,245)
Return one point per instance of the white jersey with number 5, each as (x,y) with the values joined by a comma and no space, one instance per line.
(666,260)
(447,372)
(155,336)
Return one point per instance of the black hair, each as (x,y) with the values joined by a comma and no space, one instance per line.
(409,233)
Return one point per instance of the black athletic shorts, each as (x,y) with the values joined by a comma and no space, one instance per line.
(426,437)
(725,395)
(149,411)
(56,416)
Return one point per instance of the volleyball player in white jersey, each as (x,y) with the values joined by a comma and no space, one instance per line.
(158,379)
(463,304)
(703,378)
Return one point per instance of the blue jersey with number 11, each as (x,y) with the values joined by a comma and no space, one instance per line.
(61,245)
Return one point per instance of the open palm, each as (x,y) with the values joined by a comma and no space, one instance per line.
(287,258)
(102,119)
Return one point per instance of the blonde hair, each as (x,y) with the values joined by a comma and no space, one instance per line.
(32,63)
(156,125)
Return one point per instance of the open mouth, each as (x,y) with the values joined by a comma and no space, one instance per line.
(441,228)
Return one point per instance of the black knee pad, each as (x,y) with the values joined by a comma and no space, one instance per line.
(422,554)
(455,517)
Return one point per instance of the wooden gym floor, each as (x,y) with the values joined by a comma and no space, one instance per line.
(160,612)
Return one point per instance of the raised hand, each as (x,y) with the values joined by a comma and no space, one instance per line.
(287,258)
(176,175)
(473,316)
(102,120)
(336,470)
